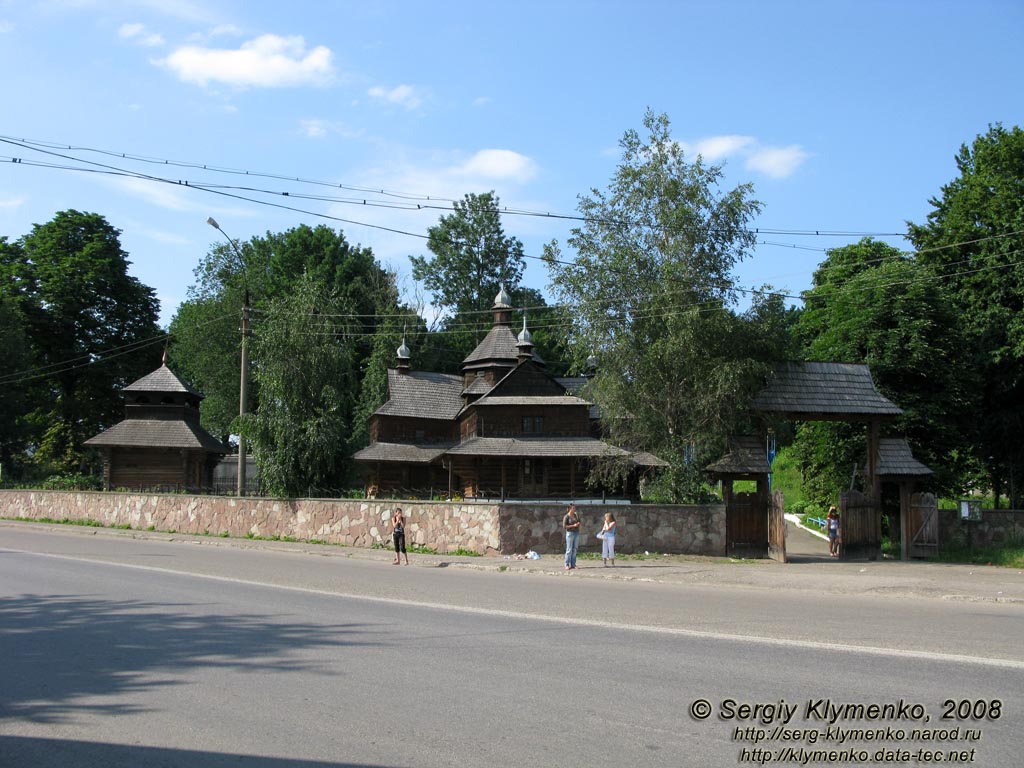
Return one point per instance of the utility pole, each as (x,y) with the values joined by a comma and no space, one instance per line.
(243,393)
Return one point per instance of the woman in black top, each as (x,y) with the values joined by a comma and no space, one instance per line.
(398,534)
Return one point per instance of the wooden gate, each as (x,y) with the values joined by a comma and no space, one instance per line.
(746,524)
(777,529)
(924,525)
(860,526)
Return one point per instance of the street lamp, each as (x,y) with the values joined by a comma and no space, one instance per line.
(243,395)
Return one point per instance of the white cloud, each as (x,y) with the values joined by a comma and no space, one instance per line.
(6,26)
(156,193)
(140,35)
(777,162)
(441,175)
(314,129)
(498,164)
(268,61)
(481,101)
(11,202)
(716,148)
(401,95)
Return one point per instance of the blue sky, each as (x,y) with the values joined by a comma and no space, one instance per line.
(845,116)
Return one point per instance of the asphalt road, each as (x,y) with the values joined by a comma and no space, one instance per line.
(127,652)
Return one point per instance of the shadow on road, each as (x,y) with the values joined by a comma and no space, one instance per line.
(61,653)
(44,753)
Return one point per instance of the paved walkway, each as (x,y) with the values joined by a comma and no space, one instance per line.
(810,569)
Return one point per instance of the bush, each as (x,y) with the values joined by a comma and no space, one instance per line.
(71,482)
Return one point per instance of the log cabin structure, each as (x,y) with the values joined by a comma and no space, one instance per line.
(160,444)
(502,428)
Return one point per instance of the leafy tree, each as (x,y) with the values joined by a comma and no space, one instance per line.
(206,328)
(395,322)
(651,294)
(472,259)
(972,239)
(14,361)
(306,377)
(71,282)
(872,304)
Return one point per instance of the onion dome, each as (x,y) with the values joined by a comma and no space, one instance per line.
(524,336)
(503,299)
(403,352)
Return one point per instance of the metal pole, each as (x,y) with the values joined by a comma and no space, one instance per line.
(243,394)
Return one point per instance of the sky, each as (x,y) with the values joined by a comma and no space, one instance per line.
(844,116)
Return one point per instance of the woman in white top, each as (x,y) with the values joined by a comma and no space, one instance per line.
(608,541)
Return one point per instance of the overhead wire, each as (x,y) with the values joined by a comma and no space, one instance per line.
(93,358)
(222,190)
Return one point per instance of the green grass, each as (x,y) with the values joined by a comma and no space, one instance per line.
(1006,556)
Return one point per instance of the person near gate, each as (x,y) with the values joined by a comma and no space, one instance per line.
(571,524)
(832,529)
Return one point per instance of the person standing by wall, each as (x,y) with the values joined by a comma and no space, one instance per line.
(608,539)
(571,524)
(398,534)
(832,529)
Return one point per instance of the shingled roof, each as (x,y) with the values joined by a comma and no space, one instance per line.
(645,459)
(575,385)
(498,345)
(824,390)
(896,460)
(422,394)
(480,386)
(157,433)
(539,447)
(504,401)
(401,452)
(162,380)
(746,456)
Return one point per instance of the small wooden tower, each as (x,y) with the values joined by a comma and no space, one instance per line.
(160,445)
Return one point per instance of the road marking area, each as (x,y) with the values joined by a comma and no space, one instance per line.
(569,621)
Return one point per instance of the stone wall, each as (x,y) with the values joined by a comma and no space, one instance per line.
(675,529)
(485,528)
(996,527)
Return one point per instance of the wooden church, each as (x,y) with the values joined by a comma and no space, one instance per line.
(160,445)
(502,428)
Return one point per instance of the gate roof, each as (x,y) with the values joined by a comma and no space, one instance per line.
(896,460)
(825,391)
(746,457)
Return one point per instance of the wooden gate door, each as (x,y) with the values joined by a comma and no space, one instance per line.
(777,529)
(924,525)
(746,524)
(860,526)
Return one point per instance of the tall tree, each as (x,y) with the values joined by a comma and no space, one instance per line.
(472,259)
(78,301)
(14,362)
(973,239)
(651,295)
(205,330)
(872,304)
(472,256)
(305,373)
